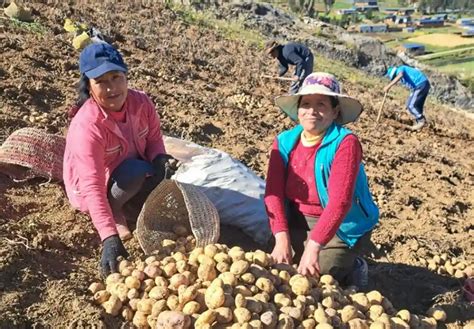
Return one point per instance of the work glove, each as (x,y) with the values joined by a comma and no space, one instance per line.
(165,166)
(112,249)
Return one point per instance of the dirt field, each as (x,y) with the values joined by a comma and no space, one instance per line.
(443,40)
(49,254)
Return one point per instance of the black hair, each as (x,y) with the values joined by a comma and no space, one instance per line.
(83,95)
(333,99)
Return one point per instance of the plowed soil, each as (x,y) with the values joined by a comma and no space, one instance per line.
(423,182)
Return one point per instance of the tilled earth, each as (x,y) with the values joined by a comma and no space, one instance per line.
(207,89)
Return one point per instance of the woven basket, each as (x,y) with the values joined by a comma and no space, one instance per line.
(30,152)
(172,203)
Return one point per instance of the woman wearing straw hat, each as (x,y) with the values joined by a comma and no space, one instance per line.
(316,182)
(114,148)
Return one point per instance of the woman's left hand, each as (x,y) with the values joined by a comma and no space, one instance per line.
(309,263)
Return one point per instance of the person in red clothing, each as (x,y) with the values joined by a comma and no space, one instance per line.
(115,155)
(316,183)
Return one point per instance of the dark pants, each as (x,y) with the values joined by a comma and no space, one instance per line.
(336,258)
(416,100)
(131,183)
(307,70)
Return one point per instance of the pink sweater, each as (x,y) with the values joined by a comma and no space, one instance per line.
(95,146)
(297,184)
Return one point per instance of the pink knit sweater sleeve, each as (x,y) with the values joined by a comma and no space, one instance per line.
(341,185)
(275,191)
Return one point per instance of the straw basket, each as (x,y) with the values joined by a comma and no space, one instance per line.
(30,152)
(172,203)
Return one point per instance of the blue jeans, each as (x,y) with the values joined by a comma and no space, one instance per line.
(417,99)
(307,70)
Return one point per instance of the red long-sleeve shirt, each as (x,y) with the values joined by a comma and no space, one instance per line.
(297,184)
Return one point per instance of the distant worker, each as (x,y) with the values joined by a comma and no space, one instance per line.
(292,54)
(419,85)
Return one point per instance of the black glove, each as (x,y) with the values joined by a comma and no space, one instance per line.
(112,248)
(165,166)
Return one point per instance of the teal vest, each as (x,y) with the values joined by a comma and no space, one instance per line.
(364,214)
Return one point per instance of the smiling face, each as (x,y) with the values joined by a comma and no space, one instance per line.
(110,90)
(316,113)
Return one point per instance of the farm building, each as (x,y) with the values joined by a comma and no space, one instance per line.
(430,22)
(372,28)
(365,9)
(465,22)
(346,11)
(442,17)
(414,48)
(401,21)
(366,3)
(468,33)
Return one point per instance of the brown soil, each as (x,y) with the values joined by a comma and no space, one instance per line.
(423,182)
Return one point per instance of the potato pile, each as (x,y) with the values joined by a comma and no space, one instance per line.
(444,265)
(221,287)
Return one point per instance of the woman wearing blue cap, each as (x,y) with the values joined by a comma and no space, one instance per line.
(114,148)
(419,86)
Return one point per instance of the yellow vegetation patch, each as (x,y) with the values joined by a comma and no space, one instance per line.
(443,40)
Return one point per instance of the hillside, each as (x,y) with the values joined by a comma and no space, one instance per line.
(192,65)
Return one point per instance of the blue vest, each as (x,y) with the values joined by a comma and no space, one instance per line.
(364,214)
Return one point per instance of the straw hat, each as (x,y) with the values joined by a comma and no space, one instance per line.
(323,84)
(30,152)
(172,203)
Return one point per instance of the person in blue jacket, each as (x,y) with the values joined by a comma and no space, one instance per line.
(419,85)
(292,54)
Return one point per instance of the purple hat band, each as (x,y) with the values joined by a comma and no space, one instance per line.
(325,81)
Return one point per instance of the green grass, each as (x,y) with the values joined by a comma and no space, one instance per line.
(32,27)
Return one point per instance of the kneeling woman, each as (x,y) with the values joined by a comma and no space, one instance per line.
(316,182)
(114,148)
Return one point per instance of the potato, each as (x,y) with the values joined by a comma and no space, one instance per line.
(300,286)
(205,318)
(294,312)
(262,258)
(158,293)
(133,303)
(265,285)
(127,313)
(173,319)
(379,325)
(140,275)
(256,324)
(147,285)
(239,267)
(187,294)
(247,278)
(173,303)
(206,272)
(282,300)
(158,307)
(358,324)
(326,279)
(269,319)
(459,274)
(152,320)
(241,289)
(236,253)
(101,296)
(262,297)
(146,305)
(169,270)
(113,278)
(399,323)
(132,282)
(437,313)
(121,291)
(222,257)
(387,306)
(329,302)
(320,315)
(404,315)
(211,250)
(214,297)
(133,293)
(253,305)
(224,315)
(223,267)
(375,312)
(161,281)
(361,302)
(140,320)
(242,315)
(191,307)
(178,280)
(285,322)
(126,272)
(307,324)
(228,278)
(112,306)
(182,266)
(428,323)
(374,297)
(348,313)
(240,300)
(95,287)
(152,271)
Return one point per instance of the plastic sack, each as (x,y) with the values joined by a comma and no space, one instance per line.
(234,189)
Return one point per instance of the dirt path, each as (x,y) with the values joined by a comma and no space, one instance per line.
(422,182)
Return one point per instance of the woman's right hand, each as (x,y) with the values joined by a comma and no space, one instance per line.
(282,251)
(112,249)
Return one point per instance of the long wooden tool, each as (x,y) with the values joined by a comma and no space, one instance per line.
(277,78)
(380,109)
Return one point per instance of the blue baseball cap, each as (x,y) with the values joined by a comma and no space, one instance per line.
(99,58)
